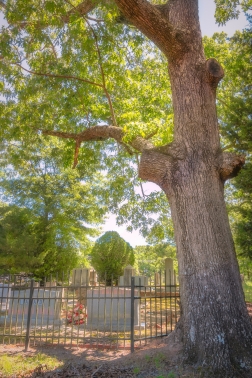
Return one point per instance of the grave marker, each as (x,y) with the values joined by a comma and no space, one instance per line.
(110,309)
(5,293)
(46,307)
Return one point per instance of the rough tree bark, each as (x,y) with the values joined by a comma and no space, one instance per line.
(214,327)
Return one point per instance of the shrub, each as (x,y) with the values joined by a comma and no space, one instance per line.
(110,255)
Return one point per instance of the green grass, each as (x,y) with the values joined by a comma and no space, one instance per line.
(12,365)
(247,287)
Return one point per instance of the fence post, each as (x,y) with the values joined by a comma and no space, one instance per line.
(27,336)
(132,314)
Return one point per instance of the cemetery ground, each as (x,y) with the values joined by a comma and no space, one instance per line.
(156,360)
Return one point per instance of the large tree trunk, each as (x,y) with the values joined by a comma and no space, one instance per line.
(214,326)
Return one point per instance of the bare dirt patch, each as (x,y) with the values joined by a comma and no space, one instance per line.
(157,360)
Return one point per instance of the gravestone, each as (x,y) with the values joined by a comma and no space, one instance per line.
(93,278)
(141,281)
(80,277)
(169,271)
(125,280)
(109,309)
(81,280)
(46,307)
(5,293)
(157,279)
(50,284)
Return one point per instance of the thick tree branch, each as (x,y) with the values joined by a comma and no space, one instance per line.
(103,132)
(161,7)
(155,167)
(100,133)
(153,22)
(214,72)
(230,164)
(82,9)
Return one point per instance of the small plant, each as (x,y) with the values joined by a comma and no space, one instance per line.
(171,375)
(148,358)
(136,370)
(77,315)
(159,358)
(5,365)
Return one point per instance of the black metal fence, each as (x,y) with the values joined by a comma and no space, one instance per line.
(91,315)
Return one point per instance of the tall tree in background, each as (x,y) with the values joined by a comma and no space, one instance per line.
(97,66)
(237,126)
(110,255)
(234,111)
(51,212)
(149,259)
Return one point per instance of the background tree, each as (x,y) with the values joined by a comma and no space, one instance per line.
(149,259)
(97,63)
(234,109)
(51,213)
(110,255)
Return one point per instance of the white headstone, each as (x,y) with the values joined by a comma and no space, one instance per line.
(169,271)
(93,278)
(109,309)
(5,293)
(141,281)
(125,280)
(157,278)
(46,307)
(80,277)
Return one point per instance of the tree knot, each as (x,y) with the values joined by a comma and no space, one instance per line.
(214,72)
(230,164)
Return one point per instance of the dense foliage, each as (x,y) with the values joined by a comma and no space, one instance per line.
(149,259)
(65,72)
(48,214)
(110,255)
(235,116)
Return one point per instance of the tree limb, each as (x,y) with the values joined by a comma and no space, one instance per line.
(59,76)
(214,72)
(230,164)
(153,22)
(155,167)
(83,9)
(2,4)
(111,108)
(100,133)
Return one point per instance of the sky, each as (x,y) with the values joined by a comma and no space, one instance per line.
(208,27)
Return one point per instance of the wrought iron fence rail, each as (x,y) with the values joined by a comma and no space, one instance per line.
(90,314)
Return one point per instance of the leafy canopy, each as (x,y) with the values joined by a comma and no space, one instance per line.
(235,117)
(64,71)
(51,212)
(110,255)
